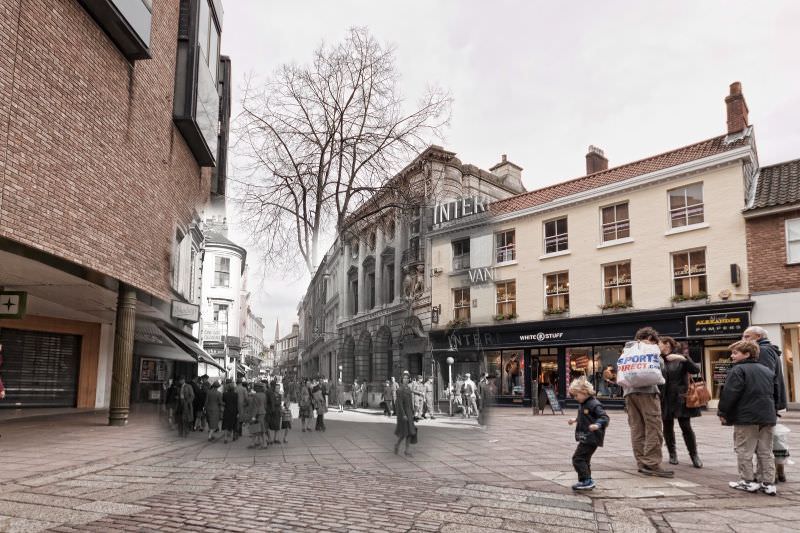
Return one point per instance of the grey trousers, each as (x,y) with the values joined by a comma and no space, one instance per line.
(754,439)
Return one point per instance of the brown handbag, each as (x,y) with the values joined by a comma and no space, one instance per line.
(697,394)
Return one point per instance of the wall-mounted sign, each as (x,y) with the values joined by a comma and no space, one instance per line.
(481,275)
(153,371)
(12,304)
(541,336)
(456,209)
(185,311)
(718,325)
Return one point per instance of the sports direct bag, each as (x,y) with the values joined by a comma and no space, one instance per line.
(639,365)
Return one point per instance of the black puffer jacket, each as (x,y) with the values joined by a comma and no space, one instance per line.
(591,412)
(770,356)
(673,393)
(749,395)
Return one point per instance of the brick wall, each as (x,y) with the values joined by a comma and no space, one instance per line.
(92,168)
(766,254)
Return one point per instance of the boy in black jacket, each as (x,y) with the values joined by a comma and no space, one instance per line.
(748,403)
(591,421)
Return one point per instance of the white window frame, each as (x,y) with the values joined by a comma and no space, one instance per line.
(617,286)
(556,236)
(507,300)
(503,252)
(459,304)
(686,208)
(672,270)
(616,222)
(222,258)
(790,260)
(556,294)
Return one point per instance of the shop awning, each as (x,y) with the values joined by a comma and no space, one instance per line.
(150,341)
(190,346)
(240,368)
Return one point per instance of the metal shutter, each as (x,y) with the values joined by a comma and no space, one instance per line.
(39,369)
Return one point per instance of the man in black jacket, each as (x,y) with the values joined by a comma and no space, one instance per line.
(748,403)
(770,356)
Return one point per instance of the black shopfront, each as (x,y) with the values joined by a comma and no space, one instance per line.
(553,352)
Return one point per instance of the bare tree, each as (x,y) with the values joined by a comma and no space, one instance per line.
(316,143)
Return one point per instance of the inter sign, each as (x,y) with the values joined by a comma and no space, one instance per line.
(458,209)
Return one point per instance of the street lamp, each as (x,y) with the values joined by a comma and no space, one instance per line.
(340,372)
(450,362)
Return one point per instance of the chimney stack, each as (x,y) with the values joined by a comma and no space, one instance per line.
(595,160)
(737,109)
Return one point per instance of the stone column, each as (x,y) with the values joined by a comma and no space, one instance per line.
(344,295)
(123,357)
(400,244)
(362,297)
(378,267)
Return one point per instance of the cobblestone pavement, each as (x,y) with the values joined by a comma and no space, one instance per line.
(513,477)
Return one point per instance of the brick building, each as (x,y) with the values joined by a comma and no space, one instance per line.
(773,250)
(109,122)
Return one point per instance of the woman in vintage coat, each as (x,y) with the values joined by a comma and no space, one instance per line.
(677,373)
(213,407)
(404,407)
(230,410)
(274,404)
(318,400)
(306,407)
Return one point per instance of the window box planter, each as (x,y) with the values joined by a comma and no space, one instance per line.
(556,313)
(508,317)
(457,323)
(697,299)
(617,307)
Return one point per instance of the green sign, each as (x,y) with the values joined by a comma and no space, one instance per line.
(12,304)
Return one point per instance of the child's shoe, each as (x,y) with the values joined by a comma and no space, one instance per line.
(769,489)
(747,486)
(584,485)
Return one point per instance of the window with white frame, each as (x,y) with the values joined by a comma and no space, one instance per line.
(793,240)
(555,236)
(222,271)
(689,274)
(506,298)
(617,288)
(461,254)
(461,303)
(556,290)
(616,222)
(506,246)
(686,205)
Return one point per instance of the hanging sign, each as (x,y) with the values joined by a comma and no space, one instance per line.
(12,304)
(185,311)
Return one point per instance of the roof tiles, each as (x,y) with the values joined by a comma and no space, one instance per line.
(777,185)
(673,158)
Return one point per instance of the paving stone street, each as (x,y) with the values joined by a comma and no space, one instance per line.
(72,473)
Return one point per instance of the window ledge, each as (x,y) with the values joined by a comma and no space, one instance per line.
(554,254)
(684,229)
(506,263)
(615,242)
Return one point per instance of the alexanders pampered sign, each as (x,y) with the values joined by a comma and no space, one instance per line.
(718,324)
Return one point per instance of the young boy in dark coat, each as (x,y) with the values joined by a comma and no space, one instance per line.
(748,403)
(590,429)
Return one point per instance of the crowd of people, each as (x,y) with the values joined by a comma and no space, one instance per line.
(751,401)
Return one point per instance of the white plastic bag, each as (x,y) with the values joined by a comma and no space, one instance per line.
(780,443)
(639,365)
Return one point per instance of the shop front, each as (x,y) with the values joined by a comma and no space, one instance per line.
(546,355)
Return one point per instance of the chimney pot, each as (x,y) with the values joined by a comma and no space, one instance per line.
(595,160)
(504,158)
(736,109)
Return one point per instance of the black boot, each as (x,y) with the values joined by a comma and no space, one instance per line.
(673,457)
(696,462)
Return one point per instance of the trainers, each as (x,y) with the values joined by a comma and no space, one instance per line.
(657,472)
(747,486)
(584,485)
(768,489)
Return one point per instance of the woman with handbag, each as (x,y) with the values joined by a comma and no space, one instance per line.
(678,371)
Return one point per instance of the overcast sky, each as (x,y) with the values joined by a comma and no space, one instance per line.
(541,81)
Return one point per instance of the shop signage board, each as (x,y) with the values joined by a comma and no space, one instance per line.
(719,371)
(12,304)
(553,401)
(153,371)
(481,275)
(185,311)
(717,324)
